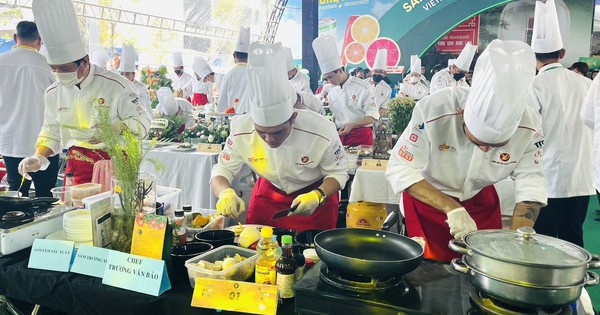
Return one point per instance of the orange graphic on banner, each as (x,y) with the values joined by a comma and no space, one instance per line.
(348,37)
(355,52)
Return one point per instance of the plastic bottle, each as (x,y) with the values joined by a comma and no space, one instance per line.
(69,180)
(286,269)
(188,218)
(276,247)
(265,264)
(179,228)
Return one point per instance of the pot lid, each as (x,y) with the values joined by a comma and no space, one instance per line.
(526,247)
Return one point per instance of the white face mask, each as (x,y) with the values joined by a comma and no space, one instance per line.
(67,79)
(413,80)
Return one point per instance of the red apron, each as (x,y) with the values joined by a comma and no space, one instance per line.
(267,199)
(80,162)
(199,99)
(358,136)
(429,223)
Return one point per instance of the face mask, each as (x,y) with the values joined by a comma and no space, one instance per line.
(458,76)
(67,79)
(377,78)
(413,80)
(178,72)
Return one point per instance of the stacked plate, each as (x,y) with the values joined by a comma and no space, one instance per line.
(77,227)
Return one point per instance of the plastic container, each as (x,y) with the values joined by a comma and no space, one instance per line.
(169,197)
(78,192)
(240,272)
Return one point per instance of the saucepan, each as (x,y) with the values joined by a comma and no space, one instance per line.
(13,203)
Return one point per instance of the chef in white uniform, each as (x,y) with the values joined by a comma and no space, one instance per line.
(590,115)
(127,69)
(71,118)
(202,87)
(309,101)
(181,78)
(454,75)
(381,89)
(298,80)
(296,153)
(351,99)
(558,95)
(460,141)
(233,89)
(170,106)
(414,86)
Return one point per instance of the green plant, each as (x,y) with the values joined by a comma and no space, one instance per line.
(155,79)
(400,112)
(208,132)
(174,130)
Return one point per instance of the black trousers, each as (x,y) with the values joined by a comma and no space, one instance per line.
(563,218)
(44,180)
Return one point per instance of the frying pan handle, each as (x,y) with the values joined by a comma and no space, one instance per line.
(592,278)
(594,262)
(460,247)
(389,221)
(459,265)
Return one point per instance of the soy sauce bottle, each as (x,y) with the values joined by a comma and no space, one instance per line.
(286,269)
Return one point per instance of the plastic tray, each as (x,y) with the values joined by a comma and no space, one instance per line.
(240,272)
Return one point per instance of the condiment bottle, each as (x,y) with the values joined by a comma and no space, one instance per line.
(189,220)
(286,269)
(179,228)
(265,272)
(300,261)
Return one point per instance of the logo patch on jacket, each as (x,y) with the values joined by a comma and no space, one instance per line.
(304,160)
(405,154)
(413,137)
(419,127)
(504,157)
(353,96)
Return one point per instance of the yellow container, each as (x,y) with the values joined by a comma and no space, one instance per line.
(364,214)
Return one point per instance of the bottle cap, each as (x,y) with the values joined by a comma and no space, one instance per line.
(187,208)
(266,232)
(286,239)
(179,213)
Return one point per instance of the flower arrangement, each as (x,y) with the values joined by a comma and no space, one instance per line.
(155,79)
(173,131)
(400,112)
(208,132)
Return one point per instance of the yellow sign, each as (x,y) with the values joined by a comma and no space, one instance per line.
(148,235)
(377,165)
(209,147)
(235,296)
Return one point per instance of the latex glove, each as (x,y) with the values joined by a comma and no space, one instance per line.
(33,164)
(230,204)
(307,203)
(419,240)
(460,223)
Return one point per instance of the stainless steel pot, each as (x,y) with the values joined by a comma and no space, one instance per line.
(519,294)
(525,257)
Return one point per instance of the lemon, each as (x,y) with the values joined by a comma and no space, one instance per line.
(365,29)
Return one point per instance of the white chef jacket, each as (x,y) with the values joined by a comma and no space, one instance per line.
(312,151)
(416,91)
(382,92)
(443,79)
(235,85)
(71,117)
(142,91)
(590,112)
(434,147)
(25,75)
(310,102)
(300,82)
(202,88)
(182,83)
(558,95)
(352,102)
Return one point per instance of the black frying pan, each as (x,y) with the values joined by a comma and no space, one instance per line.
(369,253)
(24,203)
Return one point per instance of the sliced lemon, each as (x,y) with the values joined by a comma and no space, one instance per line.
(365,29)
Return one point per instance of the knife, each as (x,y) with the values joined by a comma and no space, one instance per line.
(283,213)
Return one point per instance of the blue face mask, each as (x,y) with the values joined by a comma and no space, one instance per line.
(458,76)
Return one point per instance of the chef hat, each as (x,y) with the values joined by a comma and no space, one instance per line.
(201,67)
(127,59)
(289,59)
(415,64)
(451,62)
(243,40)
(502,79)
(465,58)
(327,53)
(271,95)
(546,31)
(166,100)
(177,60)
(380,59)
(99,57)
(59,28)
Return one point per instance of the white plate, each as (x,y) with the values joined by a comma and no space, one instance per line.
(58,235)
(176,148)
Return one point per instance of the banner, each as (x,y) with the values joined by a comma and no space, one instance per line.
(456,39)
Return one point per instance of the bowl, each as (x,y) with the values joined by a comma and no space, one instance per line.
(281,232)
(216,238)
(306,238)
(181,253)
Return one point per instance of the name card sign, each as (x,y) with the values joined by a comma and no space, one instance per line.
(149,235)
(235,296)
(52,255)
(372,164)
(209,147)
(90,261)
(136,273)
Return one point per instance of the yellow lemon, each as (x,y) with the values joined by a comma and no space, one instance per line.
(365,29)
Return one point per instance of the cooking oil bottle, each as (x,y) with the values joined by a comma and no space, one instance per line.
(265,265)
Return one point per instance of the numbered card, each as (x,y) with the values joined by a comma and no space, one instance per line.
(377,165)
(235,296)
(209,147)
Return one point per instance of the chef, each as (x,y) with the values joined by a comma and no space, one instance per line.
(233,89)
(454,75)
(309,101)
(170,107)
(202,87)
(298,80)
(415,85)
(460,141)
(297,154)
(181,78)
(127,69)
(558,95)
(351,99)
(70,119)
(381,89)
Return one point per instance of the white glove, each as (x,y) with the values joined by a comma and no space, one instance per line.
(460,223)
(419,240)
(307,203)
(33,164)
(230,204)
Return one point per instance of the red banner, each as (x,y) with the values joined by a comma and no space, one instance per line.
(457,38)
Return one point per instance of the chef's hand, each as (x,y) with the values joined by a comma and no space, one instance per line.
(345,129)
(33,164)
(307,203)
(460,223)
(230,204)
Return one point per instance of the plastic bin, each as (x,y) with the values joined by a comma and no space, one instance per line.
(78,192)
(240,272)
(169,197)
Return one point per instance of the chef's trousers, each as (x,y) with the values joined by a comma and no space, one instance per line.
(43,180)
(563,218)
